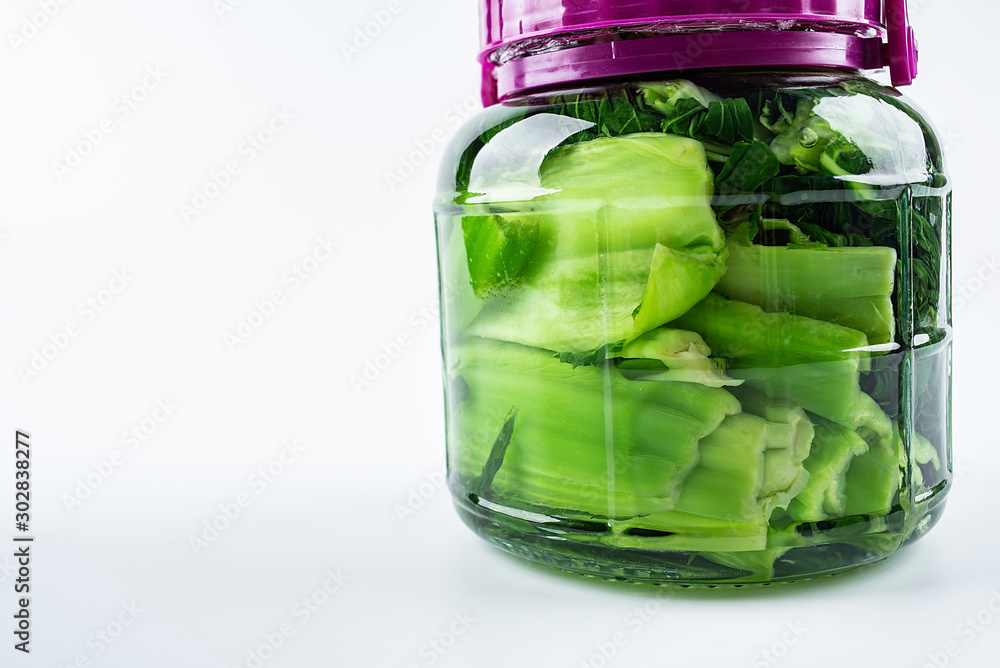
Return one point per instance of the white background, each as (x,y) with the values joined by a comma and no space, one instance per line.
(363,455)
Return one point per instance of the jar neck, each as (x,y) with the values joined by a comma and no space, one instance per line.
(725,79)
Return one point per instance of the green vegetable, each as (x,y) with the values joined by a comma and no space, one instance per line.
(612,113)
(665,97)
(851,287)
(789,443)
(747,468)
(852,151)
(570,447)
(816,364)
(778,113)
(498,248)
(864,223)
(750,337)
(829,389)
(718,506)
(627,241)
(666,354)
(809,143)
(693,112)
(873,480)
(758,565)
(833,449)
(498,452)
(748,168)
(924,451)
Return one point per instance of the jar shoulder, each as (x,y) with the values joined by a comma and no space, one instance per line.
(890,140)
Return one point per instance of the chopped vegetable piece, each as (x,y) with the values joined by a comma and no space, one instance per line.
(788,445)
(571,447)
(726,501)
(873,479)
(627,241)
(498,248)
(745,333)
(813,363)
(666,354)
(833,449)
(851,287)
(720,496)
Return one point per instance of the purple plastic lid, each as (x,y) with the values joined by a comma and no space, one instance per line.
(672,35)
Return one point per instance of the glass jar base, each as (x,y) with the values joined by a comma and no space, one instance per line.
(805,552)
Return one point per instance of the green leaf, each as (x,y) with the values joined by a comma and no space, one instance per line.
(724,121)
(616,257)
(613,112)
(483,483)
(749,167)
(498,248)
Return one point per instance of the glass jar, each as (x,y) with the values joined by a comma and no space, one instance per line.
(696,325)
